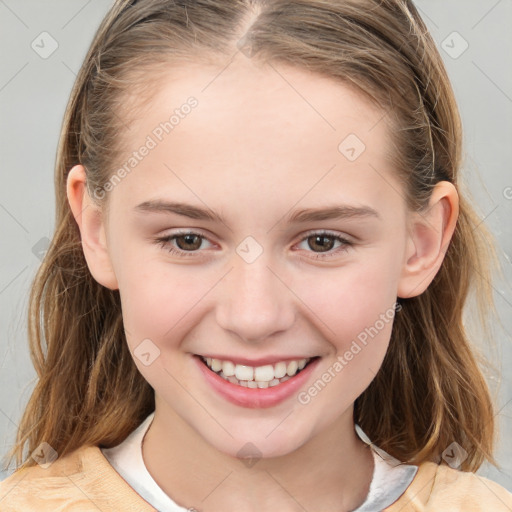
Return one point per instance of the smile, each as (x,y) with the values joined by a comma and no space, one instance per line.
(274,380)
(265,376)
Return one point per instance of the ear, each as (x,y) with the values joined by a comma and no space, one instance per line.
(429,236)
(89,218)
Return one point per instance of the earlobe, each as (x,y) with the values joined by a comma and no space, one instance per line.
(430,233)
(92,228)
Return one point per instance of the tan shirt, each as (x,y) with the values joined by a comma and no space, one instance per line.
(85,481)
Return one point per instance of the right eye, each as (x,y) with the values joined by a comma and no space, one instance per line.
(182,244)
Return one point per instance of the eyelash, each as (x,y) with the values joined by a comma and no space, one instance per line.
(165,243)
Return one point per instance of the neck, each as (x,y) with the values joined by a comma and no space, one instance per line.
(331,471)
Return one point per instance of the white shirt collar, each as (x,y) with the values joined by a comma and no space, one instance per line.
(390,477)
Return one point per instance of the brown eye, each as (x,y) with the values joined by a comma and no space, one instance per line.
(323,245)
(189,242)
(185,244)
(320,243)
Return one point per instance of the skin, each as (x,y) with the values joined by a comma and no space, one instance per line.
(256,149)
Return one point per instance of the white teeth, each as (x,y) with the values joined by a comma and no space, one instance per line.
(243,372)
(259,377)
(264,373)
(280,370)
(228,368)
(292,368)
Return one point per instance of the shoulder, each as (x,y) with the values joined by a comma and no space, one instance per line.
(80,481)
(438,487)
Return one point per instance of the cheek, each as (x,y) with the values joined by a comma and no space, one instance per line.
(161,304)
(156,295)
(157,298)
(355,303)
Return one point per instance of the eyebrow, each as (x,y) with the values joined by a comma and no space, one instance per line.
(332,213)
(299,216)
(184,209)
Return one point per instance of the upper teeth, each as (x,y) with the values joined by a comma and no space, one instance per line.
(265,373)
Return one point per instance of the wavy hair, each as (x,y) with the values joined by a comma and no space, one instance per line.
(430,389)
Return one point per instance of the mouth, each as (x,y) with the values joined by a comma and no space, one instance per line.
(265,376)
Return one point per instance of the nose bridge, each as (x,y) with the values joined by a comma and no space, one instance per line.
(255,304)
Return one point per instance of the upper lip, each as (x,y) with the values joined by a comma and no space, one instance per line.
(262,361)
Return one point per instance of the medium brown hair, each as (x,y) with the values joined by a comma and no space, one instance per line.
(430,390)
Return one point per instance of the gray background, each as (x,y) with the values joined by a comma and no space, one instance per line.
(33,94)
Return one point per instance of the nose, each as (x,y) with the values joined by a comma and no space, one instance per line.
(254,302)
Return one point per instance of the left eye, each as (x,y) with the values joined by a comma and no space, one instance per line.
(190,242)
(321,243)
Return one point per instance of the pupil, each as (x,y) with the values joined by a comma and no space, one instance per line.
(190,240)
(322,243)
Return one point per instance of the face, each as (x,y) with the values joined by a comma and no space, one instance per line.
(288,243)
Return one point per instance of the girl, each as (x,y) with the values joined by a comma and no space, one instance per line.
(253,299)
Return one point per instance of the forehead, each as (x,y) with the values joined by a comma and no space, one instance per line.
(254,126)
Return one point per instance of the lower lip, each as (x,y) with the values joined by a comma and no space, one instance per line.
(256,398)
